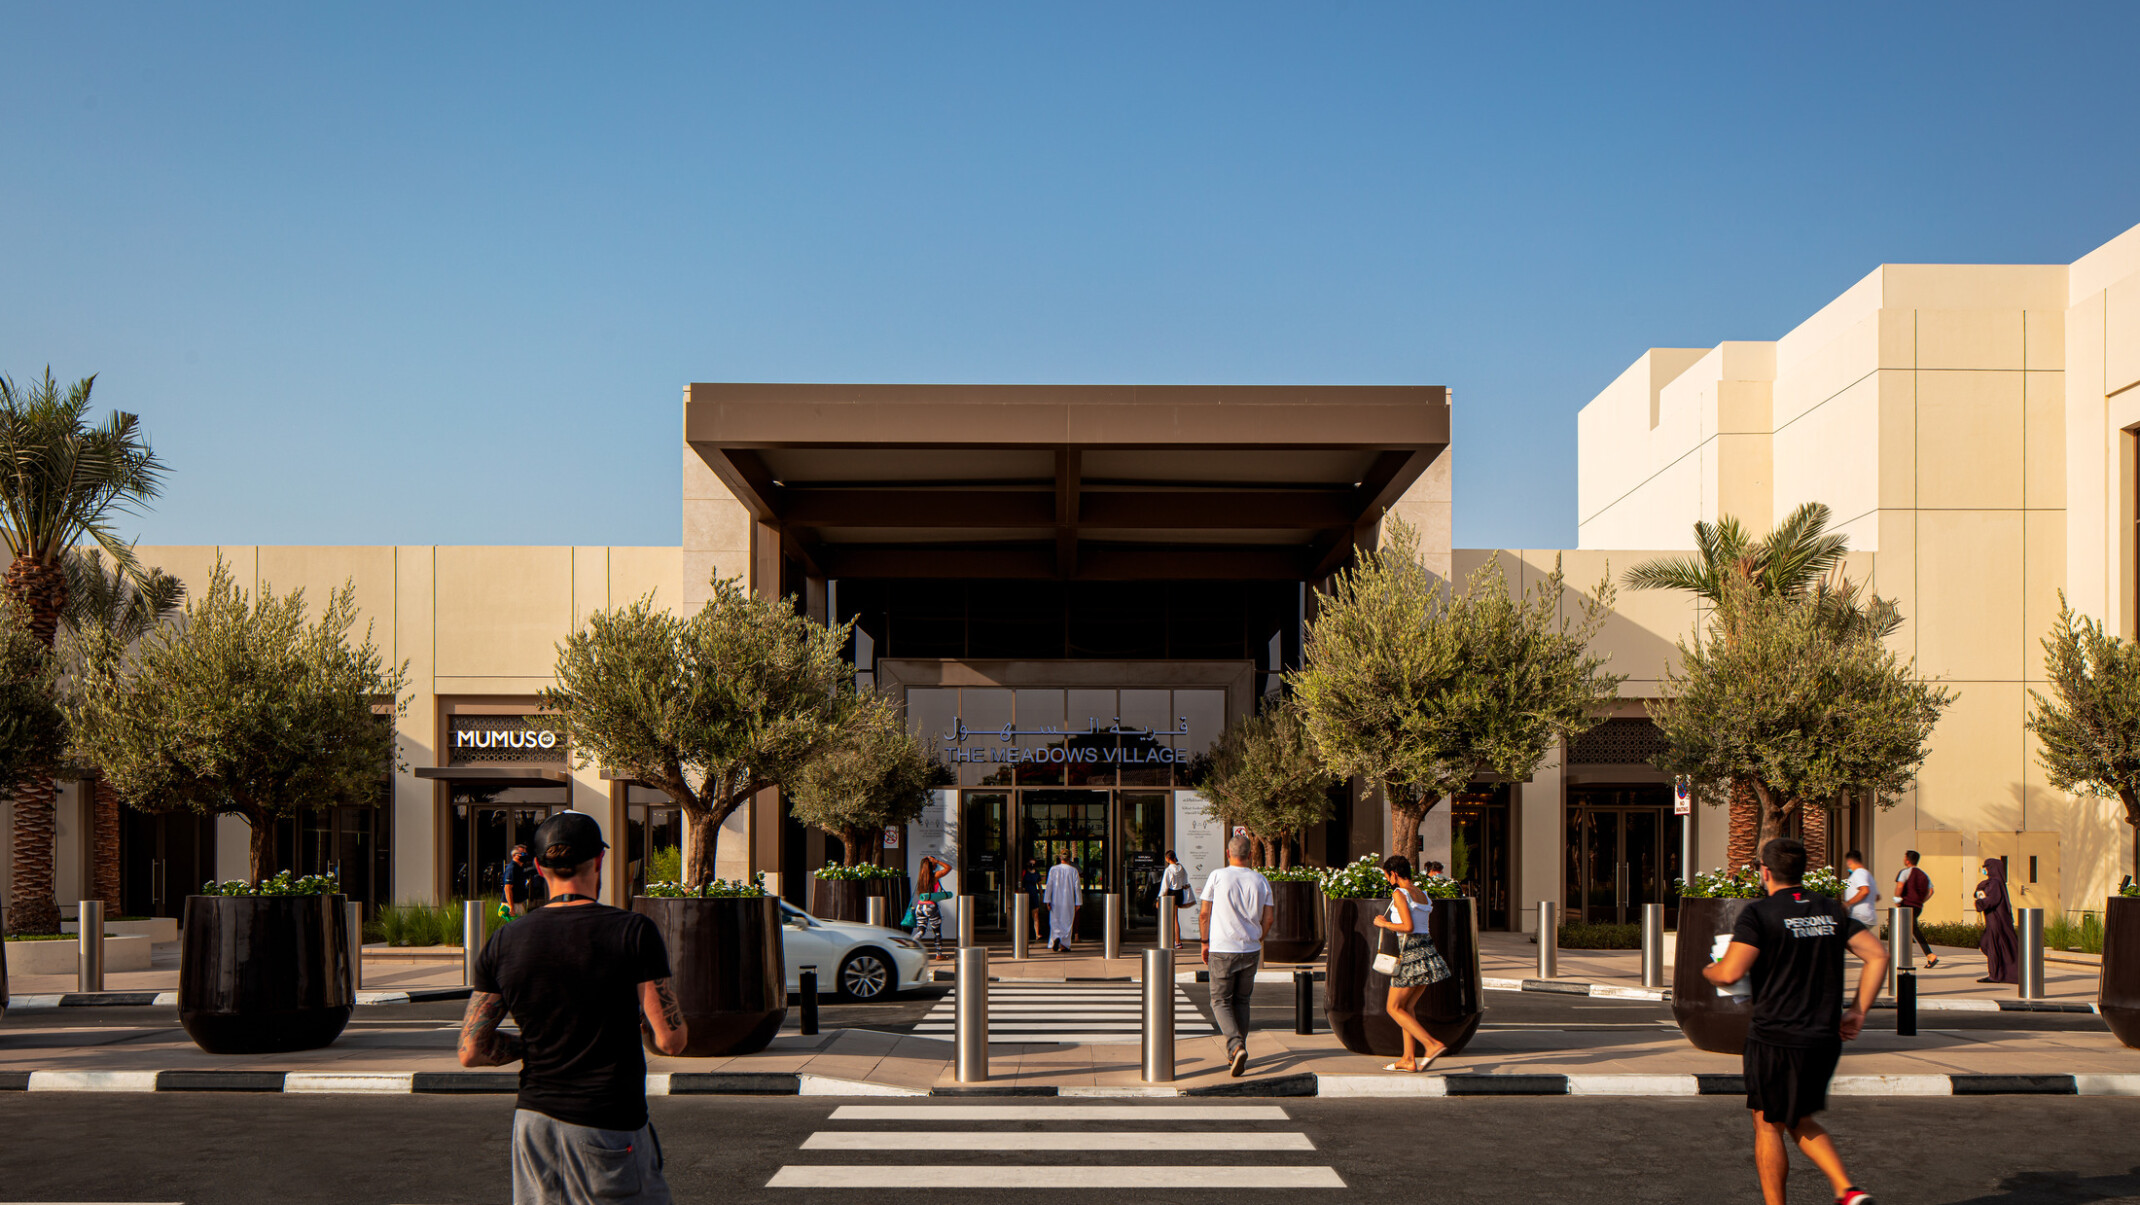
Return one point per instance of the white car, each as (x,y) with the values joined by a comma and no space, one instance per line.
(860,962)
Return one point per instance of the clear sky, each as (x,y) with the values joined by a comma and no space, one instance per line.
(438,273)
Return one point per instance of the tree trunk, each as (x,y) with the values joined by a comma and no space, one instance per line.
(1285,851)
(1407,813)
(1774,816)
(1741,842)
(850,847)
(263,846)
(42,590)
(104,831)
(31,906)
(702,837)
(1813,829)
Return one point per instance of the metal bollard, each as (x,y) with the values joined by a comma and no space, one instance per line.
(471,939)
(1111,919)
(1901,922)
(873,911)
(965,903)
(1167,921)
(1304,1002)
(1021,925)
(806,988)
(90,915)
(972,1014)
(1548,939)
(1906,1006)
(1158,1016)
(355,916)
(2031,933)
(1653,945)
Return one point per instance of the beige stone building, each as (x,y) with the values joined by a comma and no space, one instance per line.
(1076,588)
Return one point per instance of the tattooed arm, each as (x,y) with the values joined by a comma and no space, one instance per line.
(663,1019)
(481,1043)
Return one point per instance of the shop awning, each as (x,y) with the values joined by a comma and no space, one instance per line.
(506,774)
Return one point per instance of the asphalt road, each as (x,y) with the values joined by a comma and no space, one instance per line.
(426,1150)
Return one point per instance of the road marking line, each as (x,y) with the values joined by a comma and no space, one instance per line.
(826,1085)
(93,1081)
(349,1081)
(1172,1179)
(1027,1140)
(1058,1113)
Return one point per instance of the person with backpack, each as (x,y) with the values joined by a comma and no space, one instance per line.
(1174,885)
(1912,888)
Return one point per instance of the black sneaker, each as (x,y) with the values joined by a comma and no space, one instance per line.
(1240,1064)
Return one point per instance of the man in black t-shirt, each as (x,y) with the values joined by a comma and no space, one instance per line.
(583,981)
(1791,945)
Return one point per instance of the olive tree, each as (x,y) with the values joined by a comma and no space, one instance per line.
(1264,774)
(1420,688)
(2089,727)
(1773,695)
(245,707)
(711,708)
(872,773)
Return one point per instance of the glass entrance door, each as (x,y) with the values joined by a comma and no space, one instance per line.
(984,836)
(1051,823)
(1623,852)
(486,823)
(1144,848)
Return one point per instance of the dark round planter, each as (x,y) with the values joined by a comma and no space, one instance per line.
(2118,995)
(897,892)
(725,957)
(1711,1020)
(1296,924)
(839,899)
(1356,999)
(258,974)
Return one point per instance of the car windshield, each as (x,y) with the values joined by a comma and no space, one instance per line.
(790,912)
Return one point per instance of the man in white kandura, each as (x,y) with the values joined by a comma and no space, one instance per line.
(1063,893)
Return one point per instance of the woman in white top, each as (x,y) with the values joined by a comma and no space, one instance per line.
(1418,962)
(1175,882)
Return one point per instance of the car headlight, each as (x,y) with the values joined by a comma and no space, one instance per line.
(907,942)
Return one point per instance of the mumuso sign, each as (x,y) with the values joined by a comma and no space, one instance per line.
(503,738)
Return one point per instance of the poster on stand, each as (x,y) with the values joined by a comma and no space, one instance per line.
(935,834)
(1200,843)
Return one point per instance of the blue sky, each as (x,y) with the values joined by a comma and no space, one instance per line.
(426,273)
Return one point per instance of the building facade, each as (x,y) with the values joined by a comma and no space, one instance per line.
(1075,589)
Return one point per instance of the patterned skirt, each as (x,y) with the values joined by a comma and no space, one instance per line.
(1419,963)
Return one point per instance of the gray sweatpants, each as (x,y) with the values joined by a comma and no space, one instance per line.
(1233,981)
(558,1163)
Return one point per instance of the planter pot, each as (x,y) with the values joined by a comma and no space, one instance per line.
(2118,996)
(261,974)
(725,955)
(839,899)
(1297,927)
(1712,1021)
(1356,999)
(3,965)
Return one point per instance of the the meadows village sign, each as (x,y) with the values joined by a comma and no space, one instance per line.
(1111,744)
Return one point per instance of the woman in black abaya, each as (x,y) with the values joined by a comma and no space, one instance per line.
(2001,948)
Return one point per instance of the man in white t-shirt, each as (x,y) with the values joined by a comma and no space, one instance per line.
(1235,911)
(1858,893)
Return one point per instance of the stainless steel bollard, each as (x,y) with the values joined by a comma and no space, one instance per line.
(471,939)
(1653,945)
(1021,925)
(1167,921)
(1901,951)
(2031,932)
(1548,939)
(965,903)
(873,910)
(1111,918)
(90,915)
(354,913)
(1158,1016)
(972,1014)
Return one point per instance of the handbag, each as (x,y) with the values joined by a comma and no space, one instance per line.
(1385,962)
(907,921)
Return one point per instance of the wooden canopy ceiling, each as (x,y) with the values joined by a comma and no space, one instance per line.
(1068,482)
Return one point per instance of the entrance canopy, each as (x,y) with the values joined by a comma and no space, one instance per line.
(1068,482)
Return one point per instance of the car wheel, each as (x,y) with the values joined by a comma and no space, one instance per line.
(866,975)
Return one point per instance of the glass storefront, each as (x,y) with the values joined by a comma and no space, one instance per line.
(1481,853)
(1623,851)
(653,839)
(485,821)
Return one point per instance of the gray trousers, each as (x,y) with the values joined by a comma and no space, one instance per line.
(1233,981)
(558,1163)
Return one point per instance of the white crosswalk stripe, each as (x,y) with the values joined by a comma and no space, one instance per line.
(1246,1147)
(1070,1014)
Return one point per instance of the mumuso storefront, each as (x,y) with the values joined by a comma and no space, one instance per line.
(505,772)
(1074,589)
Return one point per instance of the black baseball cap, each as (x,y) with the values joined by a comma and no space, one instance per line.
(576,831)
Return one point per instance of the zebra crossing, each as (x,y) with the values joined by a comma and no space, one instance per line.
(1068,1014)
(1257,1157)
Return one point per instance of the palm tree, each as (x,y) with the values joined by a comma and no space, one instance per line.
(61,481)
(106,613)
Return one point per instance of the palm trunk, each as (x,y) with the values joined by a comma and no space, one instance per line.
(104,831)
(31,903)
(1742,841)
(41,588)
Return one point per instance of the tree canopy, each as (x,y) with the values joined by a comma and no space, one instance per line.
(1772,695)
(710,708)
(1420,689)
(243,707)
(1264,774)
(872,773)
(2089,726)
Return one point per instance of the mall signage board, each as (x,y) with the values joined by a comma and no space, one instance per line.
(494,739)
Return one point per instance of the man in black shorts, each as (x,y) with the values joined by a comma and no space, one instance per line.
(583,980)
(1792,944)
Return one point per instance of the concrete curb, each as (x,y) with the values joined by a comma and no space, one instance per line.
(48,1001)
(758,1083)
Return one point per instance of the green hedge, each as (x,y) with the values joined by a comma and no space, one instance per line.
(1576,935)
(426,924)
